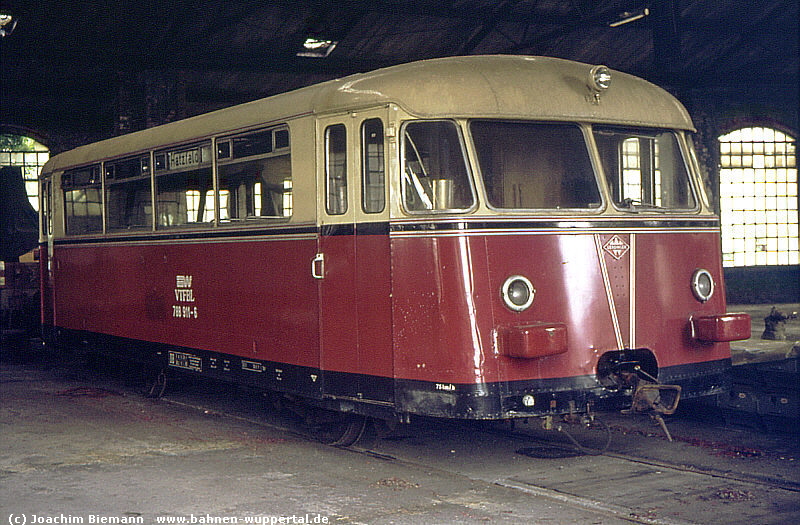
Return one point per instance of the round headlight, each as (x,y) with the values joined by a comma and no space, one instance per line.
(600,78)
(517,293)
(702,285)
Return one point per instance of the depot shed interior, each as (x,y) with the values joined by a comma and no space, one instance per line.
(77,72)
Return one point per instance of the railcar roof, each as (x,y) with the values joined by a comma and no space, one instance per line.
(499,86)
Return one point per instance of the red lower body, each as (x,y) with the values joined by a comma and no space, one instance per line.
(407,321)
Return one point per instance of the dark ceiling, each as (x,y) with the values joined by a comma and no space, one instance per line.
(69,58)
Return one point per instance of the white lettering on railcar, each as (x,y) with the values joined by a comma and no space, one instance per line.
(184,296)
(187,361)
(184,312)
(184,293)
(253,366)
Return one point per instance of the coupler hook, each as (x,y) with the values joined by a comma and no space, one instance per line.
(655,399)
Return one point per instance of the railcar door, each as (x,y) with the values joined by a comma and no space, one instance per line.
(352,264)
(46,257)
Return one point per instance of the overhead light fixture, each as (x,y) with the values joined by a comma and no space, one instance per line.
(629,16)
(317,47)
(7,24)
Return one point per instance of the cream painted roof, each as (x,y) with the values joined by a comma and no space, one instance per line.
(500,86)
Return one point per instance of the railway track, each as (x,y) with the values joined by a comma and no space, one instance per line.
(708,475)
(641,478)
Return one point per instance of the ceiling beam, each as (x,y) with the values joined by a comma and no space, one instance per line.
(666,31)
(500,12)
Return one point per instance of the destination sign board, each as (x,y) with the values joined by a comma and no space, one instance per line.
(184,159)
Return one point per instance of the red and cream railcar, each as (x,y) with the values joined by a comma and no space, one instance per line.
(472,237)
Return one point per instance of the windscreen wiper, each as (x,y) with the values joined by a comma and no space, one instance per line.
(635,205)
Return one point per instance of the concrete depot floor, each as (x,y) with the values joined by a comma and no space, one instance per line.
(75,445)
(69,448)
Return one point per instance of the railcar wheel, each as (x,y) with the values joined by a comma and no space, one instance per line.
(342,433)
(384,428)
(158,386)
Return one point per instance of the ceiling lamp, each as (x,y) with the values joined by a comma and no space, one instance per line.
(7,24)
(317,47)
(629,16)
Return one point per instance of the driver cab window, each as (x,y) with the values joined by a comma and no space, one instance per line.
(644,168)
(435,175)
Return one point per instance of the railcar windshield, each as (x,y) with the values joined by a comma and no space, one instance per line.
(435,175)
(644,168)
(535,165)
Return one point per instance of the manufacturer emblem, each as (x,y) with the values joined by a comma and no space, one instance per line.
(616,247)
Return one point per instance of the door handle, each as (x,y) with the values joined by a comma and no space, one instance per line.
(318,266)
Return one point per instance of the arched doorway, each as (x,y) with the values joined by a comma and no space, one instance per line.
(30,155)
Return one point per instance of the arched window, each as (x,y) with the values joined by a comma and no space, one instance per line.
(19,150)
(758,198)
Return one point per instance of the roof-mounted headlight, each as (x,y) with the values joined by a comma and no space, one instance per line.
(599,78)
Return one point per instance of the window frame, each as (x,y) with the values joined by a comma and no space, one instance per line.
(145,174)
(684,157)
(757,164)
(160,172)
(30,156)
(365,164)
(280,146)
(588,142)
(331,164)
(468,169)
(95,181)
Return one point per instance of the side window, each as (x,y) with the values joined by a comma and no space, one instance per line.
(255,175)
(435,175)
(83,205)
(184,186)
(373,183)
(128,200)
(336,169)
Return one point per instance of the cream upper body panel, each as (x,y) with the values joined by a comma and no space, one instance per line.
(516,87)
